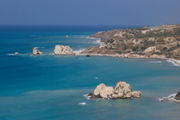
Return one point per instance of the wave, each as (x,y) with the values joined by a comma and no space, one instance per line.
(13,54)
(77,52)
(83,103)
(170,98)
(86,96)
(174,62)
(97,42)
(155,62)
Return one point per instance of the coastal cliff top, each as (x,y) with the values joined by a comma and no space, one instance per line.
(154,42)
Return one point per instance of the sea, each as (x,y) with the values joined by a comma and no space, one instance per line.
(49,87)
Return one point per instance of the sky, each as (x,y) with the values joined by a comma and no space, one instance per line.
(89,12)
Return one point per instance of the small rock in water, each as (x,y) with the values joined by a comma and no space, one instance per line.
(88,56)
(36,51)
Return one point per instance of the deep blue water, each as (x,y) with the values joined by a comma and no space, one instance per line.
(51,87)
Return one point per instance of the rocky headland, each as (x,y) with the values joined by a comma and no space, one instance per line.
(162,42)
(122,90)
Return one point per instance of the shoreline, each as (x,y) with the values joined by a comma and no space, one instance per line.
(175,62)
(160,42)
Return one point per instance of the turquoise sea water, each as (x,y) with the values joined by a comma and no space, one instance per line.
(52,87)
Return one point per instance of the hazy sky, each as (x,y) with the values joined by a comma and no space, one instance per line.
(89,12)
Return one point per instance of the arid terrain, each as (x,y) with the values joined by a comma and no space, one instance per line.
(146,42)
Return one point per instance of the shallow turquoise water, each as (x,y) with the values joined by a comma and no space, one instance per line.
(52,87)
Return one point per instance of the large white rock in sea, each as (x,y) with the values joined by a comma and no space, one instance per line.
(103,91)
(63,50)
(122,90)
(36,51)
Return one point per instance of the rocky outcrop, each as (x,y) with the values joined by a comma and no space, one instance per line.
(63,50)
(171,98)
(147,42)
(122,90)
(177,97)
(36,51)
(103,91)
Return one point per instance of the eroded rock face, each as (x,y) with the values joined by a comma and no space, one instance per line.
(122,90)
(36,51)
(63,50)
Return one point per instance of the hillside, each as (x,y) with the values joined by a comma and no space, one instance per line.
(147,42)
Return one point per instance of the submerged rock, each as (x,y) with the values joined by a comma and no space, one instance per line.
(122,90)
(36,51)
(88,56)
(63,50)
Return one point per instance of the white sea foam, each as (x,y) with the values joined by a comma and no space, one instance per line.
(171,97)
(97,42)
(96,78)
(88,37)
(156,62)
(77,52)
(13,54)
(86,96)
(83,103)
(174,62)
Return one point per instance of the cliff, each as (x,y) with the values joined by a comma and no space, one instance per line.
(147,42)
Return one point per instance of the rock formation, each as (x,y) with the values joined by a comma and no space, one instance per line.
(63,50)
(103,91)
(36,51)
(122,90)
(172,98)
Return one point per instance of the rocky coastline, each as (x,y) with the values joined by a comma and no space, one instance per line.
(161,42)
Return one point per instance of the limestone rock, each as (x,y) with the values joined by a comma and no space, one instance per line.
(136,94)
(122,90)
(63,50)
(150,49)
(103,91)
(36,51)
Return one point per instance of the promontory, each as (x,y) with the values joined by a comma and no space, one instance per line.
(145,42)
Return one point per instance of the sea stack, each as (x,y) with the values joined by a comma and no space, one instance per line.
(36,51)
(122,90)
(63,50)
